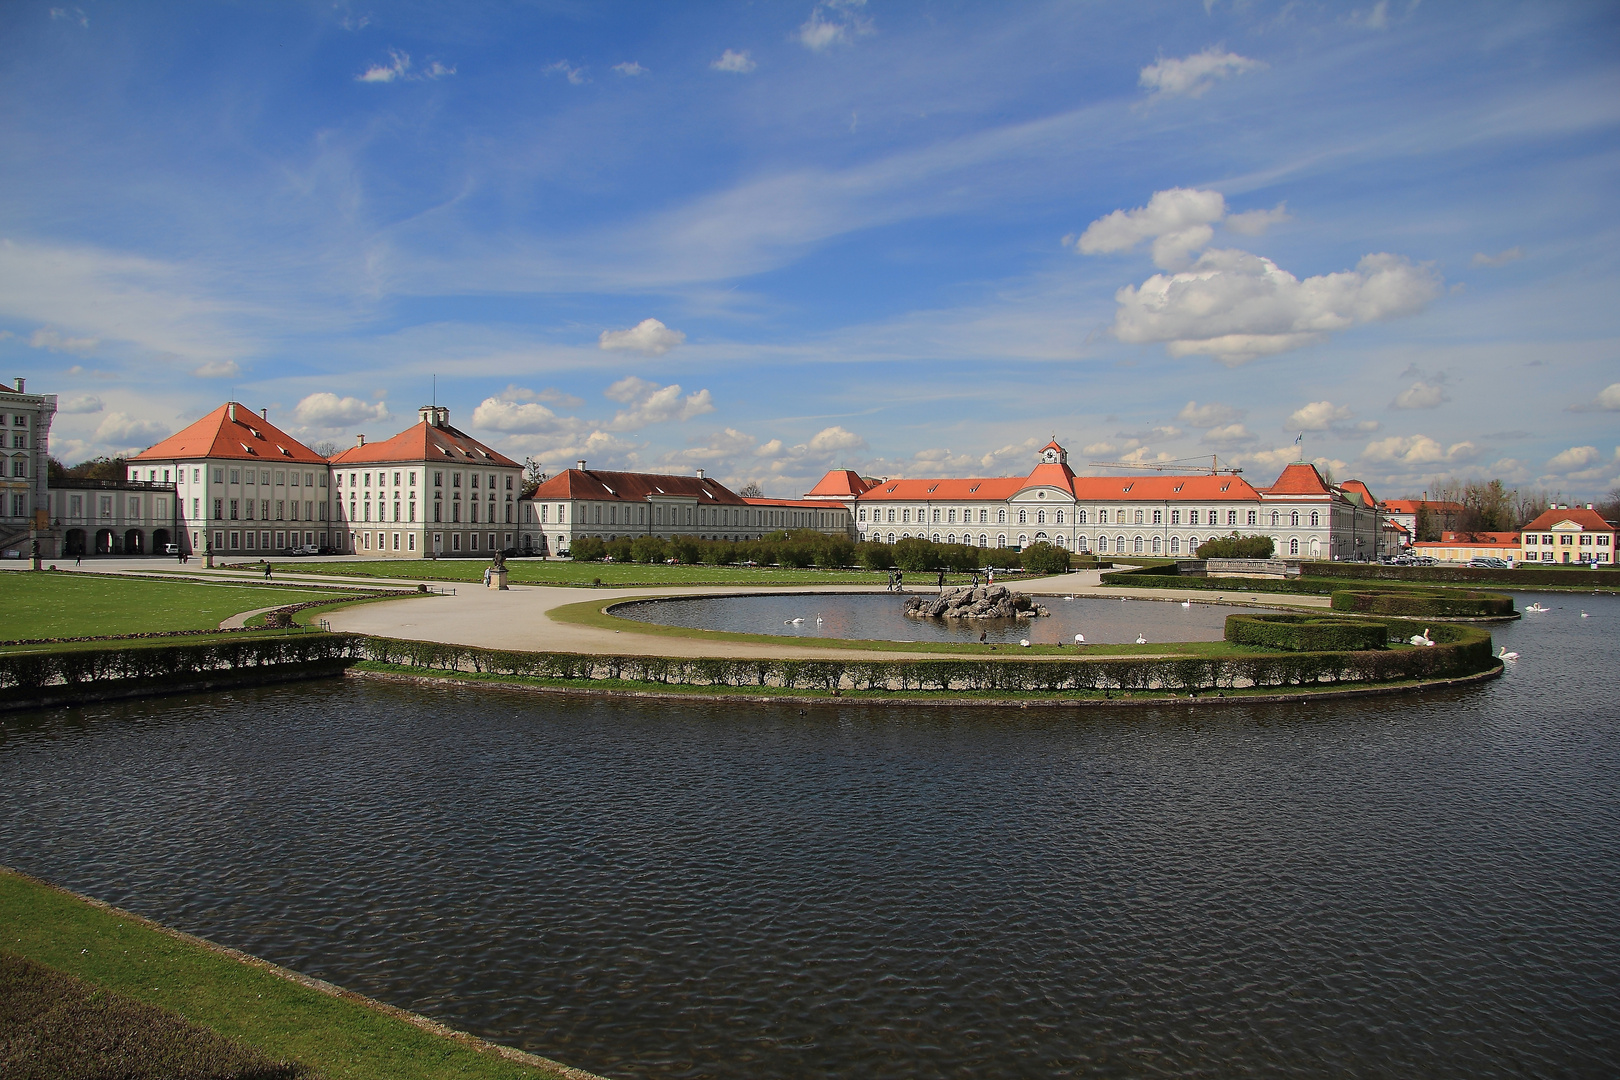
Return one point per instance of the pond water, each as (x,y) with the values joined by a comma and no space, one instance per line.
(879,617)
(1418,886)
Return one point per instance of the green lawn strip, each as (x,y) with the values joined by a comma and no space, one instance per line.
(1021,696)
(147,643)
(342,1037)
(590,613)
(585,574)
(61,605)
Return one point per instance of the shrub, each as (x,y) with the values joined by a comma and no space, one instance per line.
(916,554)
(1045,559)
(875,556)
(618,549)
(1424,603)
(649,549)
(686,550)
(1236,547)
(586,549)
(1306,633)
(795,555)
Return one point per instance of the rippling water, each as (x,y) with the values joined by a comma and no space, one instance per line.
(879,617)
(1414,886)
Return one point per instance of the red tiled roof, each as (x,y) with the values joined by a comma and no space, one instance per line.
(841,483)
(249,437)
(1586,519)
(997,489)
(1410,506)
(425,442)
(1356,487)
(1051,474)
(1300,478)
(599,486)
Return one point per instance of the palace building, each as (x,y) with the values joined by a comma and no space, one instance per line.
(1162,515)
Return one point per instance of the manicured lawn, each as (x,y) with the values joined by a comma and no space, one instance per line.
(46,605)
(341,1038)
(563,572)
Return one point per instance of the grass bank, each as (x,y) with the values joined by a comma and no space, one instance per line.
(586,574)
(343,1036)
(64,605)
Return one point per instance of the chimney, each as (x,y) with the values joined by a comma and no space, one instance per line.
(426,413)
(359,440)
(19,384)
(230,410)
(700,474)
(264,414)
(1591,506)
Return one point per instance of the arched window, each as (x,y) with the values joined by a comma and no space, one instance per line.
(1293,546)
(1294,519)
(1137,546)
(1001,540)
(950,538)
(1001,517)
(1175,545)
(1080,544)
(936,538)
(1192,544)
(1060,517)
(1023,517)
(1276,519)
(1316,519)
(1040,517)
(1080,517)
(1059,541)
(984,541)
(1023,540)
(1119,544)
(1156,548)
(891,535)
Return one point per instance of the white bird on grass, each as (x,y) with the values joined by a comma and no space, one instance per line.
(1505,655)
(1140,640)
(1079,639)
(1024,643)
(1421,639)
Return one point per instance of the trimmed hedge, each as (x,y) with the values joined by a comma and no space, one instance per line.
(1521,577)
(1306,633)
(167,663)
(1424,603)
(1462,651)
(1165,576)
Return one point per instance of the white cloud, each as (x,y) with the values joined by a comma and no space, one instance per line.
(328,412)
(738,63)
(1235,306)
(1422,395)
(79,403)
(1208,415)
(1609,399)
(1575,459)
(1326,416)
(832,23)
(122,429)
(834,439)
(399,68)
(1192,75)
(630,67)
(648,403)
(1417,450)
(551,395)
(649,336)
(1501,258)
(1256,222)
(1177,220)
(575,75)
(398,64)
(1228,435)
(217,369)
(1097,449)
(55,342)
(529,418)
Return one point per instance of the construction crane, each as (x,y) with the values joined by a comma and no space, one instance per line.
(1178,465)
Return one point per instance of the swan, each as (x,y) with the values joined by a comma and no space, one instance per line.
(1079,639)
(1421,639)
(1505,655)
(1068,598)
(1186,604)
(1024,643)
(796,622)
(1584,615)
(818,618)
(1537,606)
(1140,640)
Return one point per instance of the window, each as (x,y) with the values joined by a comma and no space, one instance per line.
(1102,544)
(984,519)
(861,512)
(1293,546)
(1102,518)
(1137,545)
(1175,545)
(473,482)
(1158,517)
(1001,519)
(236,476)
(1231,517)
(1276,519)
(1139,520)
(1175,517)
(1080,517)
(1156,547)
(1040,517)
(891,515)
(1060,517)
(1254,516)
(219,509)
(1316,519)
(1293,519)
(905,515)
(233,513)
(455,480)
(1530,539)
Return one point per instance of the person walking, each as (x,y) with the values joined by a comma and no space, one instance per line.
(942,583)
(899,581)
(267,571)
(78,560)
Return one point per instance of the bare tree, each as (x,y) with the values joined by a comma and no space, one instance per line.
(751,490)
(325,449)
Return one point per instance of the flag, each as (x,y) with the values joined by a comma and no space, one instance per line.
(1300,438)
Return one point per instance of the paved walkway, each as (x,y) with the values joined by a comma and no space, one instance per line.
(519,618)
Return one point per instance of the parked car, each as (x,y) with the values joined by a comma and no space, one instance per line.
(1490,562)
(171,549)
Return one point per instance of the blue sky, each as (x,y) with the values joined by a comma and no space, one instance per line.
(766,239)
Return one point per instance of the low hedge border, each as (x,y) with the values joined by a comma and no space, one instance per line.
(1521,576)
(1461,651)
(24,672)
(1306,633)
(1425,603)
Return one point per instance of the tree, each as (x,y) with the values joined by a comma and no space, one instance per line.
(1610,506)
(1236,547)
(751,490)
(587,549)
(533,476)
(1423,528)
(97,468)
(916,555)
(328,448)
(1043,558)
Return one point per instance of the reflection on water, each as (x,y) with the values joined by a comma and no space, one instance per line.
(1416,886)
(878,617)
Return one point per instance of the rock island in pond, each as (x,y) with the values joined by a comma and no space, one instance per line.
(985,602)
